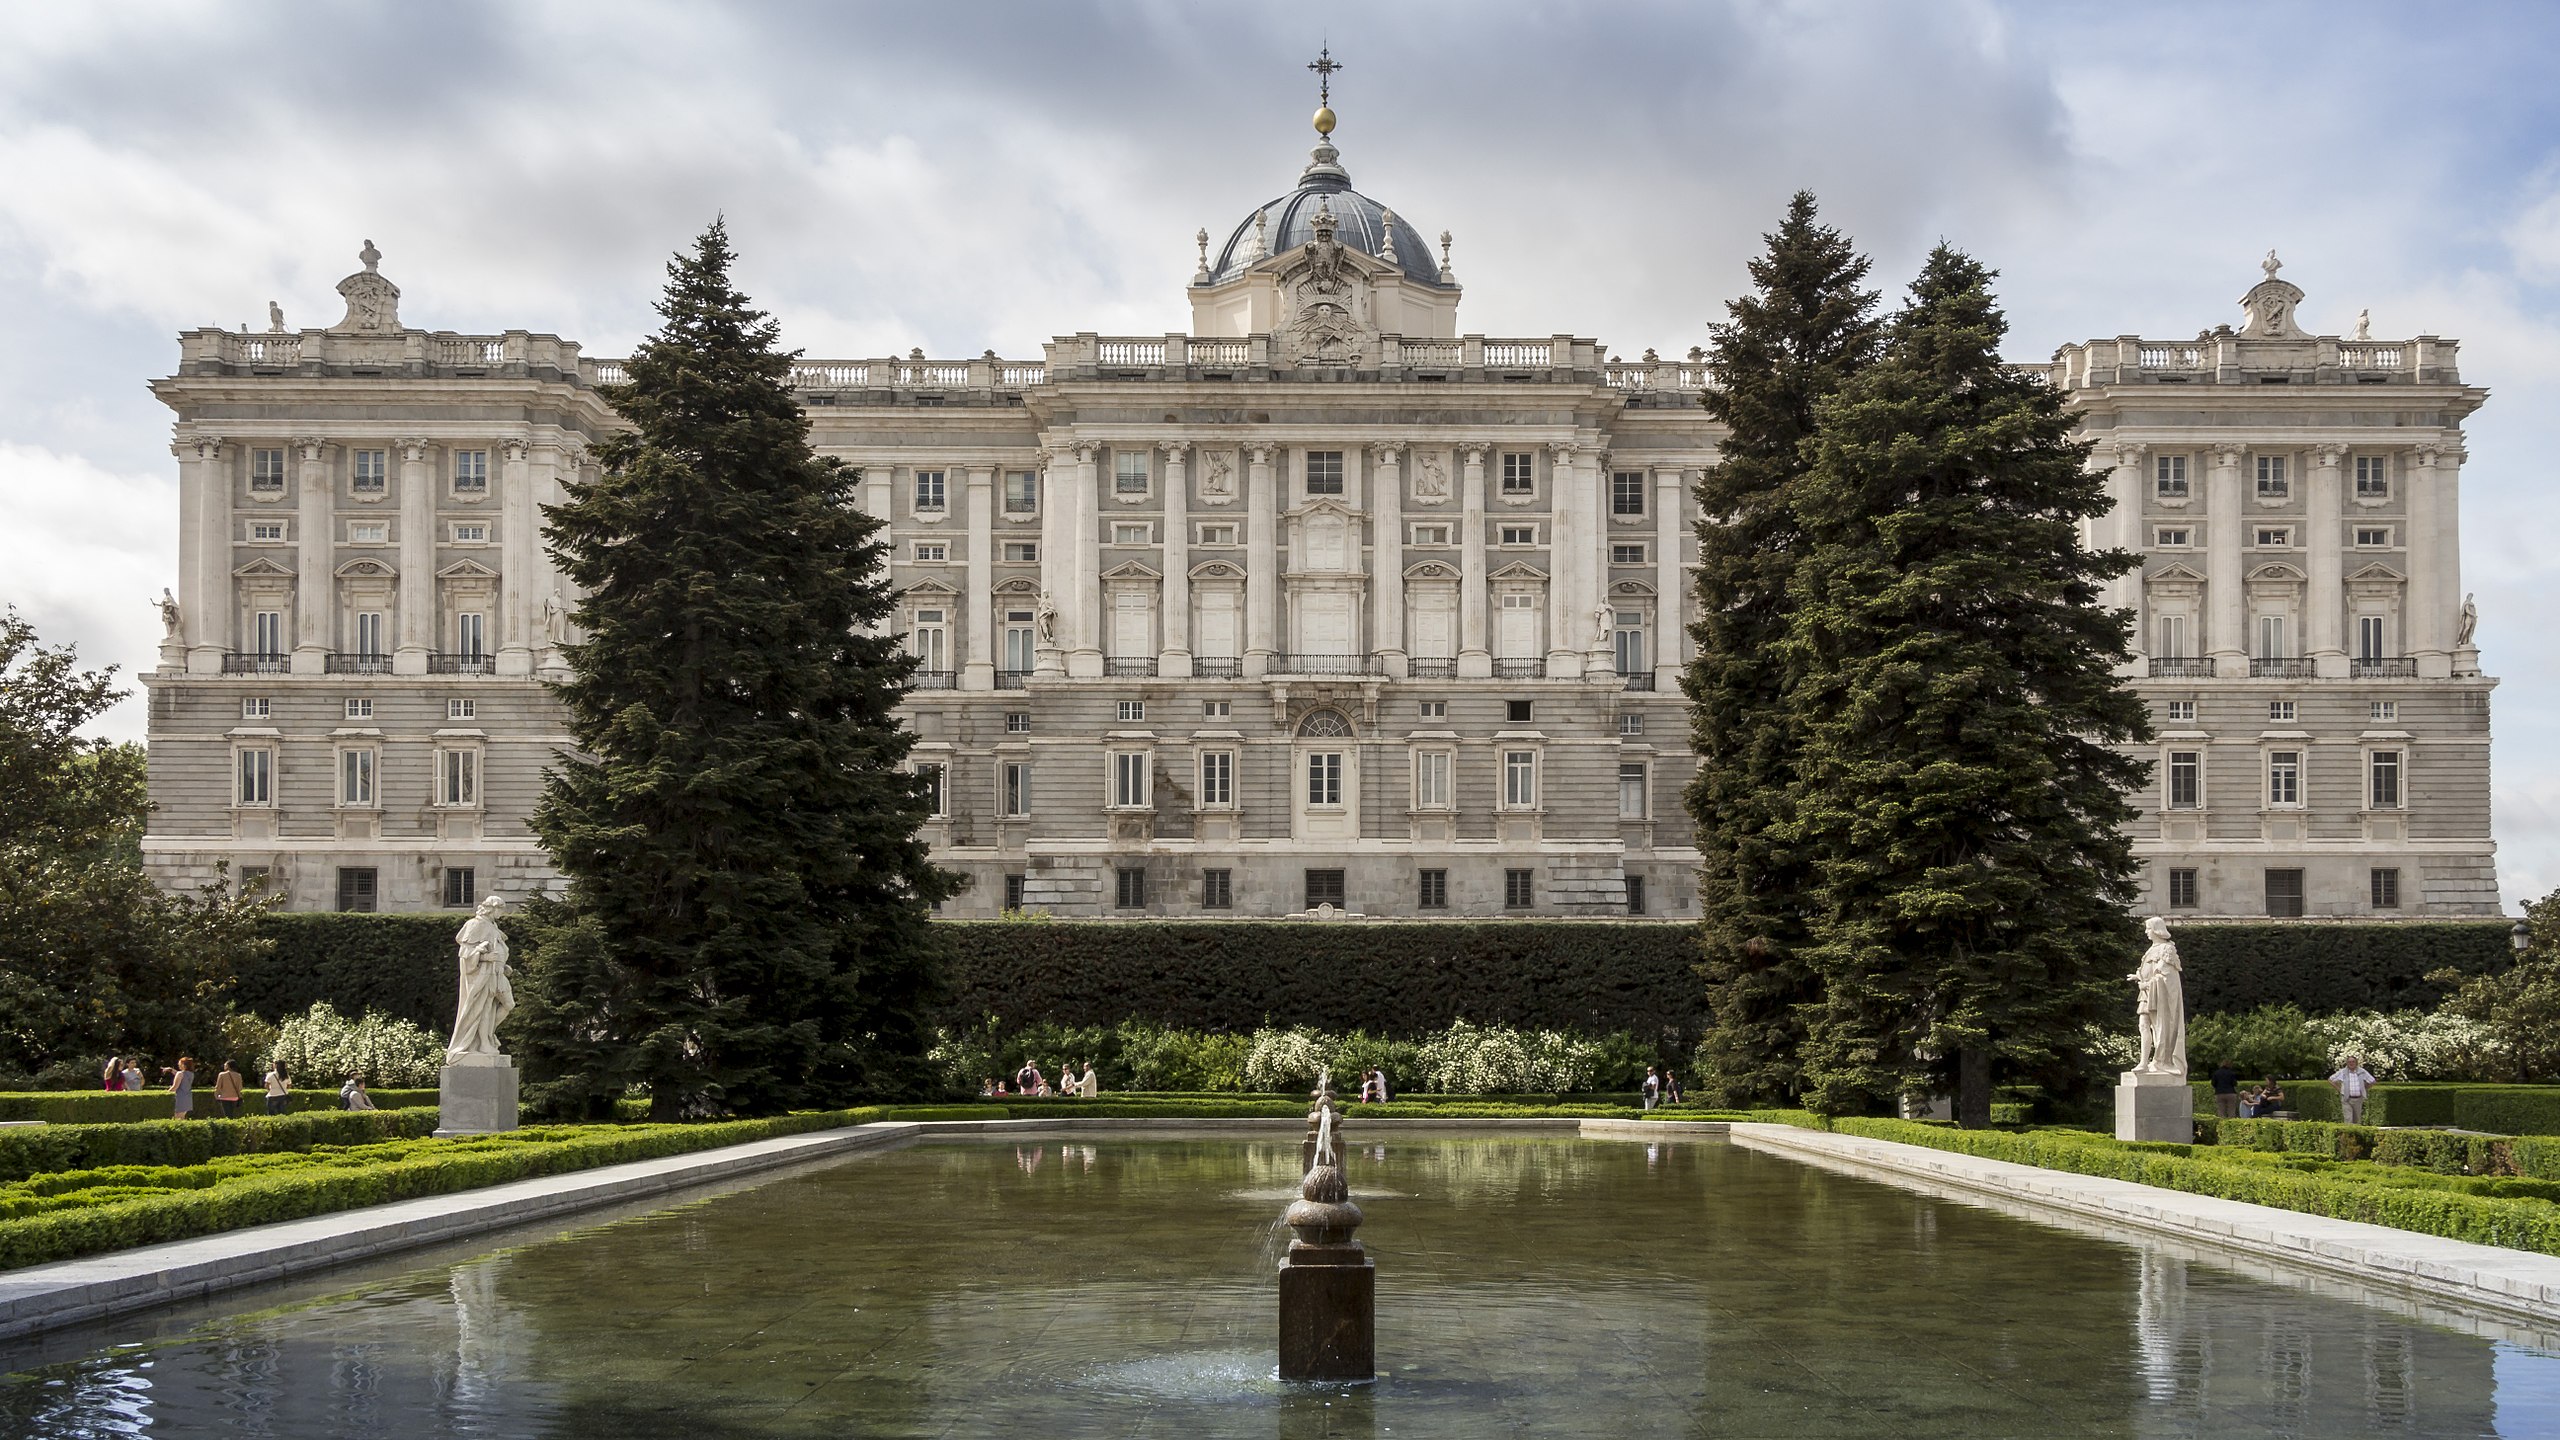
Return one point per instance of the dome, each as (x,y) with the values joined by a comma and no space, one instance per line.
(1360,223)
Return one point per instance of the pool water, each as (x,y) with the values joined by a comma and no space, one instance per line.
(1547,1287)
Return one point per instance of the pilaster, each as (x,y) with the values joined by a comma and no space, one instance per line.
(204,553)
(2325,597)
(977,663)
(1568,615)
(417,630)
(1475,661)
(1386,567)
(2227,534)
(2120,529)
(1670,592)
(314,585)
(1175,658)
(1084,602)
(1261,562)
(519,550)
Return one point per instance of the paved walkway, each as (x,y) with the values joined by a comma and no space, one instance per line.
(2517,1282)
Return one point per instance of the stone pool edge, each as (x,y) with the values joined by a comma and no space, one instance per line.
(2512,1282)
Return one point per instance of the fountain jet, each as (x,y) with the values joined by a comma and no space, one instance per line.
(1328,1287)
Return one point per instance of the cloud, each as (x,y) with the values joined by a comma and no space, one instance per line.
(84,552)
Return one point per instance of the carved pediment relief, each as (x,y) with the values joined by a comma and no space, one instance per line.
(1327,291)
(2376,573)
(2177,572)
(931,587)
(1019,585)
(365,570)
(1216,570)
(466,570)
(2276,572)
(1430,570)
(1519,570)
(1631,587)
(263,568)
(1132,570)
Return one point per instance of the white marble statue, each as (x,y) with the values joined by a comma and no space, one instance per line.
(1221,478)
(168,604)
(1045,617)
(275,318)
(555,619)
(2161,1004)
(2470,621)
(1430,478)
(487,998)
(1601,616)
(2364,324)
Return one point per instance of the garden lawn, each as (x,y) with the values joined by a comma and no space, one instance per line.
(2518,1213)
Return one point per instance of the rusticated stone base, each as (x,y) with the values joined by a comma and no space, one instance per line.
(476,1095)
(2155,1107)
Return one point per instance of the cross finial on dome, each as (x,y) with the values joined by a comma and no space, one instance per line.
(1324,65)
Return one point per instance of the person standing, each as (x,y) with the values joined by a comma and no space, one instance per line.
(182,1088)
(1670,1088)
(279,1088)
(2353,1082)
(226,1091)
(1652,1086)
(133,1074)
(2226,1090)
(113,1078)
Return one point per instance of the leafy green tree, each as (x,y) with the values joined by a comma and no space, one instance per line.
(1805,329)
(2520,1005)
(95,959)
(751,895)
(1953,676)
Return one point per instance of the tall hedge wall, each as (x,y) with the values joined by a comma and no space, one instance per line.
(1402,978)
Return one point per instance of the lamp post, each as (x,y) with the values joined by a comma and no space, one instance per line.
(2521,937)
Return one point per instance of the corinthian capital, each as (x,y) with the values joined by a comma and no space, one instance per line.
(2130,452)
(1174,451)
(313,447)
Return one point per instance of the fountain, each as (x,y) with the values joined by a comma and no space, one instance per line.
(1323,1108)
(1328,1288)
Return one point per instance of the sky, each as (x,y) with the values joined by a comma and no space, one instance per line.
(967,177)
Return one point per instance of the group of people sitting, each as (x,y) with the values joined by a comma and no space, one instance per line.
(1029,1081)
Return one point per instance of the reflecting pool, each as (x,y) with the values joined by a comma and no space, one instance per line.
(1548,1287)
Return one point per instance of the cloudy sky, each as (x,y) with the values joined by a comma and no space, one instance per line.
(966,177)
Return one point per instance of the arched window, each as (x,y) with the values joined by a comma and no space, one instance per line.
(1324,724)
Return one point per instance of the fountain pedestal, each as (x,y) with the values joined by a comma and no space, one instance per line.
(1328,1314)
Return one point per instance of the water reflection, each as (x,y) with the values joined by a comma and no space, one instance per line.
(1537,1286)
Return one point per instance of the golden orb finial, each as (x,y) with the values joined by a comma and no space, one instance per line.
(1324,120)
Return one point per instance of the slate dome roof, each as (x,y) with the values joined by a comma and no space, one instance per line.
(1360,223)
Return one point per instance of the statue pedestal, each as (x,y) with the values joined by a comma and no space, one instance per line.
(476,1095)
(1328,1314)
(2153,1106)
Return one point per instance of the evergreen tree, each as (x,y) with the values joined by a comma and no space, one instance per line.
(1953,678)
(1804,330)
(750,892)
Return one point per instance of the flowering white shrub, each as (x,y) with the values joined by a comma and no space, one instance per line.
(1493,1059)
(2412,1044)
(1287,1060)
(2114,1051)
(322,1047)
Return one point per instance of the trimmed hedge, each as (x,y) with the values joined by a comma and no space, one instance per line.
(41,1149)
(2495,1109)
(2426,1204)
(1399,979)
(2331,966)
(127,1107)
(260,1190)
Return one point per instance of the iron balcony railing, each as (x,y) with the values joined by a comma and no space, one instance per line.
(932,680)
(1517,668)
(2264,668)
(1224,667)
(241,662)
(1011,679)
(1325,664)
(2182,667)
(2377,667)
(466,663)
(1637,679)
(1431,667)
(1140,665)
(345,663)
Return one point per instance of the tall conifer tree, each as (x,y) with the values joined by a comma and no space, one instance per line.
(740,839)
(1805,329)
(1953,679)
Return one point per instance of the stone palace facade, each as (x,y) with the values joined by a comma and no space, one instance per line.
(1322,602)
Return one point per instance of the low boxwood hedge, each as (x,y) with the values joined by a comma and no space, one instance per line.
(38,1149)
(2516,1214)
(99,1107)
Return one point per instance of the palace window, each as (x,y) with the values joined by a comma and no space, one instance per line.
(1022,552)
(371,472)
(1325,887)
(1626,493)
(1017,722)
(1217,890)
(1518,712)
(2274,537)
(1633,788)
(932,552)
(1130,888)
(2284,779)
(2284,894)
(257,777)
(933,789)
(471,472)
(1013,892)
(1129,774)
(369,640)
(1516,535)
(267,629)
(2186,779)
(2384,888)
(1324,778)
(1630,725)
(355,776)
(460,709)
(1627,554)
(266,472)
(1217,534)
(256,707)
(1520,780)
(359,709)
(2383,768)
(2182,710)
(470,633)
(1133,710)
(2182,888)
(1519,473)
(2383,710)
(357,889)
(1627,642)
(1217,779)
(931,492)
(2272,481)
(1432,779)
(461,887)
(2280,710)
(2372,637)
(1021,648)
(929,641)
(1129,472)
(1519,889)
(1430,534)
(1635,894)
(1017,789)
(2372,537)
(1217,709)
(2373,477)
(458,777)
(1434,890)
(1137,533)
(266,532)
(1324,472)
(2169,476)
(1021,492)
(1434,709)
(2173,537)
(475,533)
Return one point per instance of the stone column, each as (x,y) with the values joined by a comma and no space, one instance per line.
(1592,562)
(1670,582)
(2120,529)
(878,484)
(1175,658)
(2226,636)
(2325,596)
(1386,562)
(417,628)
(977,663)
(1475,661)
(2434,597)
(314,587)
(1083,608)
(2464,656)
(519,551)
(204,554)
(1057,569)
(1261,561)
(1568,613)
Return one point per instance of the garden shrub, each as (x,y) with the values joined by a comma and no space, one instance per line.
(385,1049)
(37,1149)
(2333,966)
(101,1107)
(400,965)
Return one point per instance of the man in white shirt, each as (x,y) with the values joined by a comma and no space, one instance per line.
(2353,1080)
